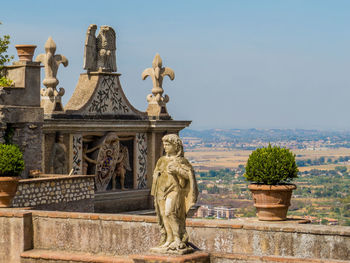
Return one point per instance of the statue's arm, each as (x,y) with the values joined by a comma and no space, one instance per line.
(89,159)
(93,148)
(181,168)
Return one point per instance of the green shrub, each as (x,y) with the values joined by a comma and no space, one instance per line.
(271,165)
(11,160)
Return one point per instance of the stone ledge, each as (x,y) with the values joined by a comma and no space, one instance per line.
(42,254)
(11,212)
(198,223)
(197,257)
(51,177)
(236,257)
(93,216)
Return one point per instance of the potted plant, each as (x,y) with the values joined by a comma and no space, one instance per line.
(11,165)
(270,169)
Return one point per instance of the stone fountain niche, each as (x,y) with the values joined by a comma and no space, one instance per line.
(99,132)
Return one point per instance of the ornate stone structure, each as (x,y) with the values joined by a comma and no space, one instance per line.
(99,54)
(97,111)
(175,190)
(51,98)
(156,101)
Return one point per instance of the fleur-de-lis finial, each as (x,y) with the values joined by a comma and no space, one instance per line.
(51,97)
(157,103)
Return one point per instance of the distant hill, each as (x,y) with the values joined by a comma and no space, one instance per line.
(267,135)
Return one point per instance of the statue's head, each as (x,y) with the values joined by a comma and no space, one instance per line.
(59,137)
(111,138)
(176,142)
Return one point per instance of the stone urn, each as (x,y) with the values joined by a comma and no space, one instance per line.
(8,188)
(25,52)
(272,201)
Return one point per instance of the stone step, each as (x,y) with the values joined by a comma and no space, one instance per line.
(50,256)
(246,258)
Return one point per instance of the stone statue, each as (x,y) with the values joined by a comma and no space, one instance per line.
(51,100)
(99,53)
(122,166)
(156,101)
(175,190)
(90,54)
(58,160)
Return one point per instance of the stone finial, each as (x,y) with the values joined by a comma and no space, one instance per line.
(51,100)
(156,100)
(99,53)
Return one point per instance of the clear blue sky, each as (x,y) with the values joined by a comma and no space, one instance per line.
(238,64)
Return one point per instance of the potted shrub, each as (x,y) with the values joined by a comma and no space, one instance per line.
(11,165)
(270,169)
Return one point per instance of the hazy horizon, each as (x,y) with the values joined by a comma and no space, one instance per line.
(238,64)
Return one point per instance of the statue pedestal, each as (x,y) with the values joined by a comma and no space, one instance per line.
(196,257)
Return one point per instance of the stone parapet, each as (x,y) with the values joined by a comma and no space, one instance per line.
(69,193)
(114,236)
(129,234)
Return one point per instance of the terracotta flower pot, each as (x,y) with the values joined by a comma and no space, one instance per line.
(25,52)
(272,201)
(8,188)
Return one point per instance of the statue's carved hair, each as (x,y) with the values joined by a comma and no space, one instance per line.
(57,136)
(176,141)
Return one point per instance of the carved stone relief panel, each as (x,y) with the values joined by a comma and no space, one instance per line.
(76,153)
(141,160)
(109,157)
(108,98)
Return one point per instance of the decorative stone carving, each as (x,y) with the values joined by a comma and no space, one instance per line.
(111,160)
(175,190)
(99,53)
(58,160)
(141,160)
(77,153)
(109,98)
(156,101)
(51,98)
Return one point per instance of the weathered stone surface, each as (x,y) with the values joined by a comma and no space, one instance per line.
(121,234)
(16,234)
(111,235)
(52,193)
(26,89)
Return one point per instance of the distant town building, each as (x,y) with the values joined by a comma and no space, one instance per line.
(216,212)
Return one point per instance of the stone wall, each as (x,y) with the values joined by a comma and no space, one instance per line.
(129,234)
(16,234)
(119,235)
(62,193)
